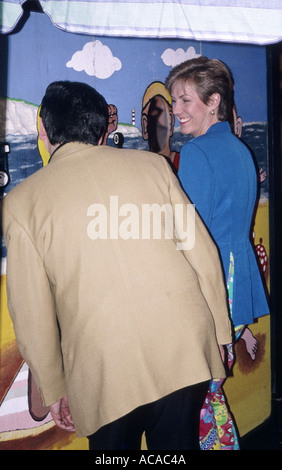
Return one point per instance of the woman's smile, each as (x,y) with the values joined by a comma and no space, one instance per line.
(194,116)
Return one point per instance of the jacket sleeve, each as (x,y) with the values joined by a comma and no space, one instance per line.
(32,310)
(197,246)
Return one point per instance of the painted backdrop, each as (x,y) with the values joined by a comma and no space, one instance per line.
(123,70)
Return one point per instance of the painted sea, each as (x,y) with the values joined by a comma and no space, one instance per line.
(24,158)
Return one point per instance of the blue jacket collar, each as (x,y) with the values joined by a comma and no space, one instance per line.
(222,126)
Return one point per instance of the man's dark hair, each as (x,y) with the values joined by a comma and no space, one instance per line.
(73,112)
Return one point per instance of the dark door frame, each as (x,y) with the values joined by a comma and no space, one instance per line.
(274,53)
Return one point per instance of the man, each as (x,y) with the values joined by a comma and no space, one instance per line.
(120,318)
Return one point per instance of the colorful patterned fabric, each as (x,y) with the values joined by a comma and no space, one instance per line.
(217,429)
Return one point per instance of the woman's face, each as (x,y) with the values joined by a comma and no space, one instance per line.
(194,116)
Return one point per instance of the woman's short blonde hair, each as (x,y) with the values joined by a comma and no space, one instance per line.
(208,76)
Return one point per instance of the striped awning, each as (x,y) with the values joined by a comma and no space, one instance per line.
(236,21)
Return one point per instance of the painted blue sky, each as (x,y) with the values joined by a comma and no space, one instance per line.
(39,53)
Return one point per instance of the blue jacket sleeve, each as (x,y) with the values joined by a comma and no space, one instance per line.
(197,179)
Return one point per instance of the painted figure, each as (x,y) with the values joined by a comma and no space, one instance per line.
(158,121)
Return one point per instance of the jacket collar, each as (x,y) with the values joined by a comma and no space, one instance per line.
(67,149)
(219,127)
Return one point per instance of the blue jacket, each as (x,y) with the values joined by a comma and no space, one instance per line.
(218,174)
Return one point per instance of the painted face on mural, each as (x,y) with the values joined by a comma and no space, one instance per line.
(158,124)
(195,117)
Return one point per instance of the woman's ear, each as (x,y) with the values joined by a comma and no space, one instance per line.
(214,100)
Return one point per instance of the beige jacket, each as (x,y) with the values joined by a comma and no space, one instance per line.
(122,319)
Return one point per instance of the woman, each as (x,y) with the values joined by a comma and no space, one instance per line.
(218,173)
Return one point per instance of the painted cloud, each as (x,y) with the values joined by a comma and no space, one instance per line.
(96,60)
(171,57)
